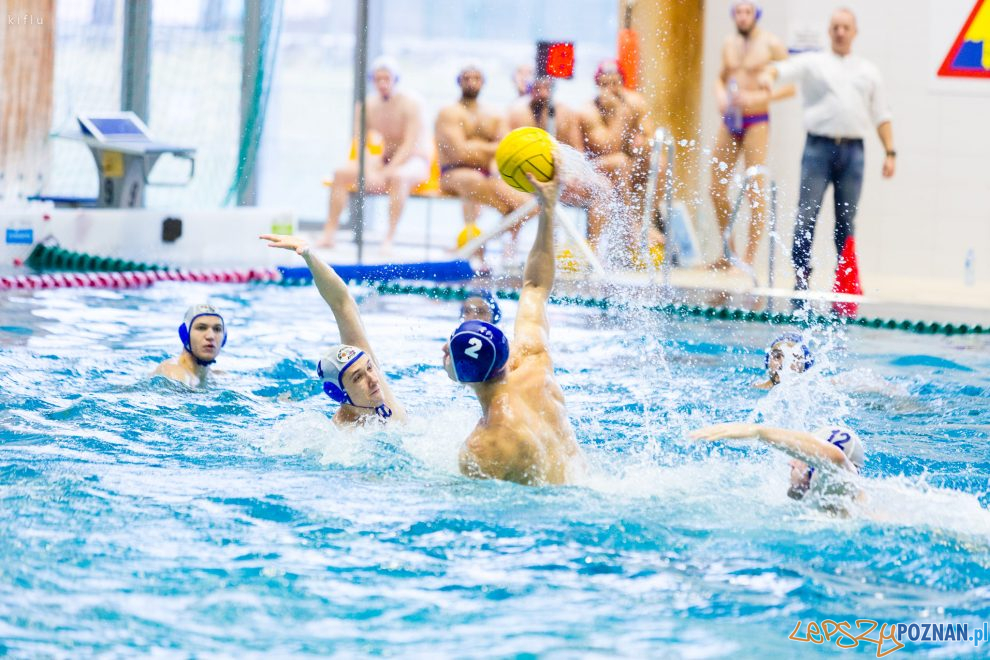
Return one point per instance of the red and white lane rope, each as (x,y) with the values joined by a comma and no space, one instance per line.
(134,279)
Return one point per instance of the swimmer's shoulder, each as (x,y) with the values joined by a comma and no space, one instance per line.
(169,368)
(450,113)
(772,41)
(174,371)
(636,101)
(729,45)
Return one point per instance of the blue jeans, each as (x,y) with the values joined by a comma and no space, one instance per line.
(825,161)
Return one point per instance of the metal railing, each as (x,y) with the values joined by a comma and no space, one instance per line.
(770,195)
(662,140)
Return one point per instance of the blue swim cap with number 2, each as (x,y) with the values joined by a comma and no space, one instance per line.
(478,350)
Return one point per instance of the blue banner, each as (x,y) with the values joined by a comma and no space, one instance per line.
(22,236)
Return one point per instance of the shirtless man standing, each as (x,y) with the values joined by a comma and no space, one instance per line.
(524,434)
(603,126)
(744,105)
(467,135)
(405,158)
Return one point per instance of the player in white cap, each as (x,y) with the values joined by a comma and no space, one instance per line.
(822,464)
(203,334)
(350,372)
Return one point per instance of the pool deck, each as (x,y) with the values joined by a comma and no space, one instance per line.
(915,299)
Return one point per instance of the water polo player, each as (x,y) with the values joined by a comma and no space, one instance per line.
(524,434)
(786,356)
(203,334)
(481,305)
(350,371)
(822,464)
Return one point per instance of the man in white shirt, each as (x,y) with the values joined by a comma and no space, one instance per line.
(843,98)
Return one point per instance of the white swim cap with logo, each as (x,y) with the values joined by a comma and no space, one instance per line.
(845,439)
(193,313)
(332,366)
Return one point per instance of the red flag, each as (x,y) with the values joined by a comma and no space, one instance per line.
(847,279)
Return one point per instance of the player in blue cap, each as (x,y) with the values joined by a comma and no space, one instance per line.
(350,371)
(481,305)
(203,333)
(524,434)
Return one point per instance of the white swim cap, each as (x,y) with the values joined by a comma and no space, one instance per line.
(193,313)
(332,366)
(845,439)
(794,351)
(757,9)
(388,63)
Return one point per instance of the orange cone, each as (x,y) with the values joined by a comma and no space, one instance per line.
(847,279)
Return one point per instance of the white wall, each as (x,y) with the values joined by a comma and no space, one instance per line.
(913,231)
(219,238)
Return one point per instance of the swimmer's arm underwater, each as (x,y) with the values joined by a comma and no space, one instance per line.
(332,288)
(797,444)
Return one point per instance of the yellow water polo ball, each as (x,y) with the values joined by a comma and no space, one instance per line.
(526,149)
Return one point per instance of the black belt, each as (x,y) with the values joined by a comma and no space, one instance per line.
(836,140)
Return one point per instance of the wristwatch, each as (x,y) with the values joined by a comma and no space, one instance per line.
(891,153)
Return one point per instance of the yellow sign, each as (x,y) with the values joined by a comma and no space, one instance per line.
(113,164)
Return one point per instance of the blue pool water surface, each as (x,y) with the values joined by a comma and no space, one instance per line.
(138,517)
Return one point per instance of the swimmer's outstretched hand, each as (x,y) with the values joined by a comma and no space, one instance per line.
(547,193)
(295,243)
(733,430)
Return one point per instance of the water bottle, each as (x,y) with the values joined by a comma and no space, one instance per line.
(969,270)
(734,112)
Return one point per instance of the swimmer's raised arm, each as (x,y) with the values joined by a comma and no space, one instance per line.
(798,444)
(332,288)
(532,324)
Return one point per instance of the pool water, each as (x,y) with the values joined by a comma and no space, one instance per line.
(139,517)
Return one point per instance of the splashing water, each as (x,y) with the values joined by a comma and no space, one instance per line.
(585,186)
(139,516)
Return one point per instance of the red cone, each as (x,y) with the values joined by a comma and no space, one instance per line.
(847,279)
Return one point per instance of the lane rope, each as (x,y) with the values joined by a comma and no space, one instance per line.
(119,273)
